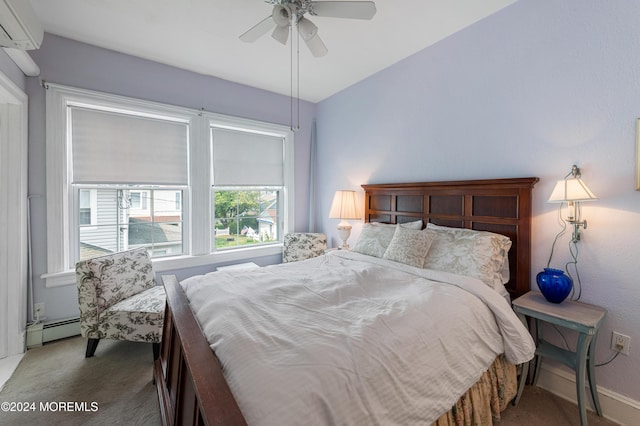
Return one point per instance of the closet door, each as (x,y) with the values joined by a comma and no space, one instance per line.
(13,218)
(4,257)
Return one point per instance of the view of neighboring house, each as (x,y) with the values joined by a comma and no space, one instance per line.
(245,222)
(267,219)
(113,220)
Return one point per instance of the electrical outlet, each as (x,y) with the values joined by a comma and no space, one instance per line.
(620,343)
(38,309)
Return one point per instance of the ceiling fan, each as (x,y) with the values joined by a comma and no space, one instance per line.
(287,13)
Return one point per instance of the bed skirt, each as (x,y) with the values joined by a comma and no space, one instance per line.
(486,399)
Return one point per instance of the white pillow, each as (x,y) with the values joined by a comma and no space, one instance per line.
(409,246)
(478,254)
(375,237)
(374,240)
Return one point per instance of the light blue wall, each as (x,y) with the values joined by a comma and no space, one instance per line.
(76,64)
(529,91)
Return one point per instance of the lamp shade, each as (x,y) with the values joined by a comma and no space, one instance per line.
(344,206)
(571,189)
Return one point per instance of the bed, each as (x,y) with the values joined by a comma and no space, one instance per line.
(195,387)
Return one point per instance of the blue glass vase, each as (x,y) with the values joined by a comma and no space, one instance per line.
(554,284)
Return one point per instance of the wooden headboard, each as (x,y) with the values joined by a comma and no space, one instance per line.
(502,206)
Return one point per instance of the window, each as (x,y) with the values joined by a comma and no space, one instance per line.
(122,150)
(188,185)
(248,184)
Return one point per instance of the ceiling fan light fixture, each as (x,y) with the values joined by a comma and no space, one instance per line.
(307,29)
(281,15)
(281,34)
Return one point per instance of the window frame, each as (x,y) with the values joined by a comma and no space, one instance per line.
(198,216)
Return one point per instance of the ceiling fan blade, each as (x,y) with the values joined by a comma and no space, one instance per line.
(281,34)
(343,9)
(258,30)
(316,46)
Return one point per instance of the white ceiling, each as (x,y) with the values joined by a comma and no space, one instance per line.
(202,36)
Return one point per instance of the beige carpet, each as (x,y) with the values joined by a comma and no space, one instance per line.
(538,407)
(118,380)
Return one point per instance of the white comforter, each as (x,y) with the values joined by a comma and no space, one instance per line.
(352,340)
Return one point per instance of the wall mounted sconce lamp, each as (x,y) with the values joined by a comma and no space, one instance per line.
(553,283)
(344,207)
(573,190)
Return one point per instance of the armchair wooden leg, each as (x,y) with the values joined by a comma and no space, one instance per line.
(156,350)
(92,344)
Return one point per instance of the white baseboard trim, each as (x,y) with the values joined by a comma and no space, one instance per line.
(40,333)
(615,407)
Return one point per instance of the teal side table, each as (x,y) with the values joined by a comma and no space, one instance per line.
(586,320)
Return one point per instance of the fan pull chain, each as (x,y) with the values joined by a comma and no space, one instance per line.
(297,79)
(295,69)
(291,80)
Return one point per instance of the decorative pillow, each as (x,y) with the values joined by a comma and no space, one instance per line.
(375,237)
(409,246)
(478,254)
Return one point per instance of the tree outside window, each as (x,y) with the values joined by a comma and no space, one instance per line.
(244,217)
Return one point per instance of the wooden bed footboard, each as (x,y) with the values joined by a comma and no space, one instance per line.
(191,387)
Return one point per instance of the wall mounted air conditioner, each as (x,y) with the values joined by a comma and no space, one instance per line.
(19,25)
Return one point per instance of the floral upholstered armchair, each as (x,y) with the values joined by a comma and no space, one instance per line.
(301,246)
(119,299)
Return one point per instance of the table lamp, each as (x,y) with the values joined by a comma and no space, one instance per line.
(344,207)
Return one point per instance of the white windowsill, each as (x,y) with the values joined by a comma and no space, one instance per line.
(59,279)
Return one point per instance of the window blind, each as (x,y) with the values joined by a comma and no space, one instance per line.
(117,148)
(247,159)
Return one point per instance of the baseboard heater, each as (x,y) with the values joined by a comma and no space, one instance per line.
(37,334)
